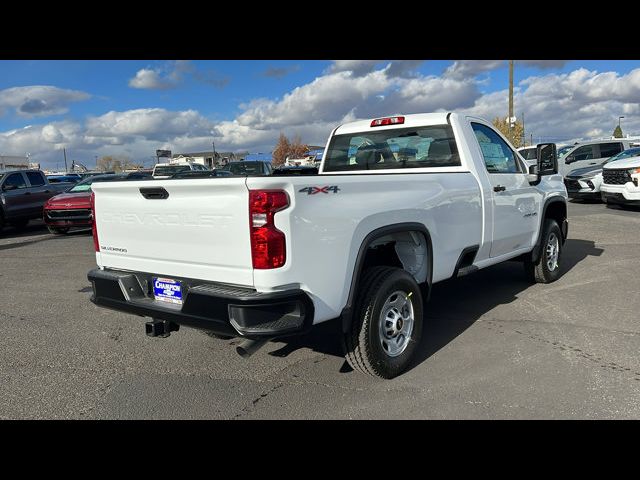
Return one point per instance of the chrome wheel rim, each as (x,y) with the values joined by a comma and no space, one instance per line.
(396,323)
(553,252)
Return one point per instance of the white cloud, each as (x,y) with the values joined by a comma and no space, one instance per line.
(572,105)
(173,73)
(150,79)
(357,67)
(462,69)
(39,100)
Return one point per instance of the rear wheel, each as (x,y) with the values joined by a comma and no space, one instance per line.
(387,323)
(547,268)
(20,224)
(58,230)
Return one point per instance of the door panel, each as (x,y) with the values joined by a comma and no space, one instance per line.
(16,202)
(515,203)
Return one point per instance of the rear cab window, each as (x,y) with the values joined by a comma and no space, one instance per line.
(414,147)
(610,149)
(36,179)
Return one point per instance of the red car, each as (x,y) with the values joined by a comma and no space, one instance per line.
(73,209)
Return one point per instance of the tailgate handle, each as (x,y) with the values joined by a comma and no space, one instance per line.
(154,193)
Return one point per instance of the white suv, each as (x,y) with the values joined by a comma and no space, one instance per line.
(589,154)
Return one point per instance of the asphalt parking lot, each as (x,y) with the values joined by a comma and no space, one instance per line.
(494,346)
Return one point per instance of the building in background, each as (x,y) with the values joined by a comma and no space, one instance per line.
(207,158)
(14,162)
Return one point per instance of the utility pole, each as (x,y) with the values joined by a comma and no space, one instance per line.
(510,95)
(64,150)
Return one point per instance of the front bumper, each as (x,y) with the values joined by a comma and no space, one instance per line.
(618,198)
(627,194)
(222,309)
(78,217)
(584,195)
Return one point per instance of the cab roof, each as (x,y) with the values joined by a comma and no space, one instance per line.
(412,120)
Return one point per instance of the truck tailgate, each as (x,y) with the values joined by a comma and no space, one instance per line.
(200,230)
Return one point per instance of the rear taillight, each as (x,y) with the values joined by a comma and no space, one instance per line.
(94,228)
(268,249)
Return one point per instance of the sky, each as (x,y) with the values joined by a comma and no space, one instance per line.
(132,108)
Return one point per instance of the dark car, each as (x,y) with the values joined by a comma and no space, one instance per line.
(73,207)
(296,170)
(252,167)
(201,174)
(24,192)
(64,178)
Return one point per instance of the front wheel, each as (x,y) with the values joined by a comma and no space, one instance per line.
(387,323)
(547,267)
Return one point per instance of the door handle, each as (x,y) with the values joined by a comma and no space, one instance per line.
(499,188)
(592,163)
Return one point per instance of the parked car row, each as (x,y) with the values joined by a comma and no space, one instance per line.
(605,170)
(63,201)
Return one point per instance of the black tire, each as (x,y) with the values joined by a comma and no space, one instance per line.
(58,230)
(540,271)
(20,224)
(363,343)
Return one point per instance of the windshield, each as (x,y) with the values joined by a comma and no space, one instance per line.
(562,151)
(415,147)
(244,168)
(85,185)
(170,169)
(528,153)
(631,152)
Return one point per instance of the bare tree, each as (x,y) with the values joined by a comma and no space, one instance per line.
(515,134)
(281,151)
(297,149)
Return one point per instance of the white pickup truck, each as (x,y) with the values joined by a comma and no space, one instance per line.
(399,204)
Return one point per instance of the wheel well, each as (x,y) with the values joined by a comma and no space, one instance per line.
(407,250)
(558,212)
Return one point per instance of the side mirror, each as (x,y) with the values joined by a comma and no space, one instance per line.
(547,159)
(6,188)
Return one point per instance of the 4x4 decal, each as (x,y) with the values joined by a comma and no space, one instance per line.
(314,190)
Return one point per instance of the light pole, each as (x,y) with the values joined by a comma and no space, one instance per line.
(213,162)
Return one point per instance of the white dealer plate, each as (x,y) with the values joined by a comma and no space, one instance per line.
(167,290)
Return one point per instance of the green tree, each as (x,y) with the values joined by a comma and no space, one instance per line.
(515,136)
(617,133)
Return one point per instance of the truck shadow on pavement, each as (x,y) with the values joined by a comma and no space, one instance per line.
(455,305)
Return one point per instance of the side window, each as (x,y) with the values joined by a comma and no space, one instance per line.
(15,179)
(35,179)
(583,153)
(609,149)
(498,156)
